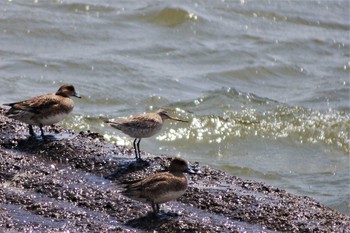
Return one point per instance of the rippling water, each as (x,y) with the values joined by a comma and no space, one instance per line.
(264,84)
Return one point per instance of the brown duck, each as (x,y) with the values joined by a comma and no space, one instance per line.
(45,109)
(160,187)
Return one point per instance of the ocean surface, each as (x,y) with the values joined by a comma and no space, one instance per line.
(264,83)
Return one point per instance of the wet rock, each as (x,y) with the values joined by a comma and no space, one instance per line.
(70,183)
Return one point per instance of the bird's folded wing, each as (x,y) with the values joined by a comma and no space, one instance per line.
(36,105)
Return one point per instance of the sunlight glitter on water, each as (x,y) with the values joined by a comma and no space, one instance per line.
(301,124)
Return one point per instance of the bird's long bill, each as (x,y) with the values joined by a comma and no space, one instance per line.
(176,119)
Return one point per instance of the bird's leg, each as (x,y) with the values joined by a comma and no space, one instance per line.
(31,131)
(138,148)
(42,131)
(155,208)
(135,148)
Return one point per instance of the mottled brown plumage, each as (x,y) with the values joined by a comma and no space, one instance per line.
(160,187)
(45,109)
(142,126)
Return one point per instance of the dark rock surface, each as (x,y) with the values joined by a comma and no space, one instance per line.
(70,183)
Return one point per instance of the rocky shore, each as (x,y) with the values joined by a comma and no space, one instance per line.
(69,183)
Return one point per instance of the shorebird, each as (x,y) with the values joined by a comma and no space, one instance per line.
(45,109)
(160,187)
(142,126)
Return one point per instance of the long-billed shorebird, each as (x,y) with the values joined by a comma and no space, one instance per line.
(142,126)
(160,187)
(45,109)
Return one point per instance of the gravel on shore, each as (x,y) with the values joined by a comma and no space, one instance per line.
(70,183)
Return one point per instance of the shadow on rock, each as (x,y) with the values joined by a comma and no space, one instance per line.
(35,144)
(152,221)
(128,167)
(30,143)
